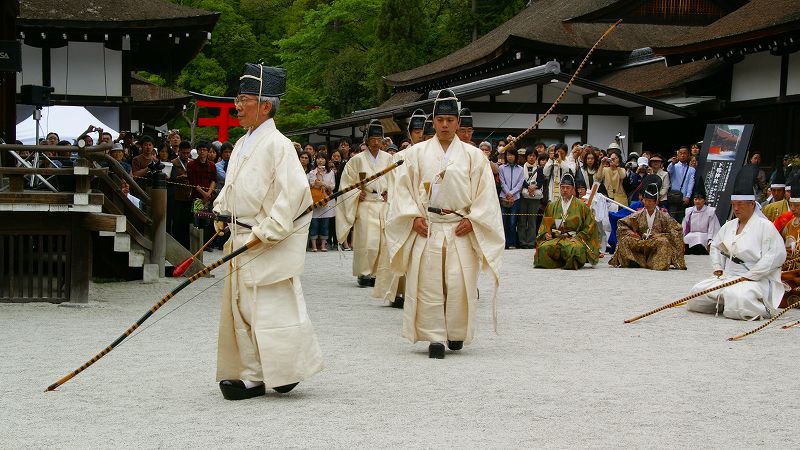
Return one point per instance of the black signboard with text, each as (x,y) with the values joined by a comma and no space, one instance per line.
(723,154)
(10,56)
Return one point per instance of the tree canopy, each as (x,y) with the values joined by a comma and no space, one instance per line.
(336,51)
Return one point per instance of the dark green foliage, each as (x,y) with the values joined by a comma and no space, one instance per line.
(336,51)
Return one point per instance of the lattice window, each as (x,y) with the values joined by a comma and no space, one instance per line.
(676,9)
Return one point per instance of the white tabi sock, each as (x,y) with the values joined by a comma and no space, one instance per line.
(251,384)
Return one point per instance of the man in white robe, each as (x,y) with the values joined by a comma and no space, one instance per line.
(365,213)
(390,286)
(442,254)
(748,246)
(266,339)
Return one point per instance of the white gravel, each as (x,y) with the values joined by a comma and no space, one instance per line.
(563,372)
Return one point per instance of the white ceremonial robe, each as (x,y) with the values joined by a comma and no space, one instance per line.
(388,285)
(365,217)
(265,333)
(702,226)
(442,269)
(760,247)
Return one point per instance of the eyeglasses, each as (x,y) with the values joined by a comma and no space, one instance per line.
(241,100)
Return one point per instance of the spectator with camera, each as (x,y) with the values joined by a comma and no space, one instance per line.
(140,164)
(681,177)
(181,192)
(612,177)
(635,176)
(557,165)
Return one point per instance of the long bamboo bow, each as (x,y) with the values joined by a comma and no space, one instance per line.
(252,244)
(564,91)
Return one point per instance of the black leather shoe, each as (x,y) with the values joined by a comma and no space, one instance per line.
(455,345)
(398,302)
(285,388)
(363,281)
(235,390)
(370,281)
(436,350)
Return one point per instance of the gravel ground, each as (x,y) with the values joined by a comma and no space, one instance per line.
(564,371)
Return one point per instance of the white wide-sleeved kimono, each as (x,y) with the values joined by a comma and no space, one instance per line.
(388,285)
(600,208)
(442,269)
(700,227)
(265,333)
(365,217)
(760,248)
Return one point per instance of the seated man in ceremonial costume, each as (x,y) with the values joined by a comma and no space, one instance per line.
(649,238)
(441,252)
(777,189)
(568,236)
(364,213)
(748,246)
(265,336)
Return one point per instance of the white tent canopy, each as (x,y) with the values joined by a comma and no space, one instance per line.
(69,122)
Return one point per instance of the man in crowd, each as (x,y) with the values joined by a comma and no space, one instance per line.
(266,339)
(174,140)
(649,238)
(656,163)
(441,254)
(182,194)
(748,246)
(778,205)
(139,164)
(364,213)
(202,175)
(568,236)
(681,183)
(465,129)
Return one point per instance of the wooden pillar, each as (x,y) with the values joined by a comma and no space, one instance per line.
(8,80)
(158,213)
(80,268)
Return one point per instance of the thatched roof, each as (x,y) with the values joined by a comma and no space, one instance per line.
(105,10)
(543,23)
(656,77)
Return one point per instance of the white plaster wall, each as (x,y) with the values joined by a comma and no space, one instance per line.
(92,69)
(506,120)
(793,84)
(525,94)
(551,91)
(601,130)
(757,76)
(31,66)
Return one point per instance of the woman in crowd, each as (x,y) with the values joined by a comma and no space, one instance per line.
(213,155)
(163,152)
(612,176)
(589,168)
(322,182)
(700,224)
(511,179)
(304,161)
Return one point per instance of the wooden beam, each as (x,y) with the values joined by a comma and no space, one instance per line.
(102,222)
(540,108)
(47,198)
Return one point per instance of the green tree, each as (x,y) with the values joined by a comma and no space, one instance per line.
(203,75)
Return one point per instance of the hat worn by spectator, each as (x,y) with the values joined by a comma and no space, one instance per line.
(262,81)
(613,145)
(194,154)
(656,157)
(417,120)
(446,104)
(465,116)
(374,129)
(642,162)
(652,186)
(117,147)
